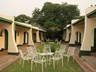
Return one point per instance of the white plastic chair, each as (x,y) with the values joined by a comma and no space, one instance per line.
(70,53)
(32,50)
(59,42)
(38,59)
(47,48)
(56,57)
(29,50)
(22,57)
(61,50)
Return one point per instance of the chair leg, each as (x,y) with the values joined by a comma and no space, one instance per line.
(45,64)
(62,62)
(20,61)
(42,66)
(49,61)
(73,58)
(23,64)
(57,62)
(28,61)
(36,64)
(68,59)
(31,65)
(54,64)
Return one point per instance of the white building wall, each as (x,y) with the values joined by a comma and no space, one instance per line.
(2,40)
(90,24)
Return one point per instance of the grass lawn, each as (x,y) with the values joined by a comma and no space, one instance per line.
(68,67)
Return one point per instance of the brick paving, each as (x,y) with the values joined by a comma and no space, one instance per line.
(87,63)
(6,59)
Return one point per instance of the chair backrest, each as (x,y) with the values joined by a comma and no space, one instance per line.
(47,45)
(60,42)
(71,51)
(29,49)
(38,58)
(62,49)
(58,55)
(56,40)
(47,48)
(21,53)
(63,46)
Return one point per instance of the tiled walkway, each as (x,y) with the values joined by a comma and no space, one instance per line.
(6,60)
(87,63)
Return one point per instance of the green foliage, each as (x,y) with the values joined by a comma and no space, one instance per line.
(51,26)
(51,12)
(69,12)
(57,13)
(54,46)
(23,18)
(54,17)
(52,30)
(36,15)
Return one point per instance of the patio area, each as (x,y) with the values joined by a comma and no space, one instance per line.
(85,62)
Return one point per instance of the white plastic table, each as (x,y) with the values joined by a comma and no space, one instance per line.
(46,54)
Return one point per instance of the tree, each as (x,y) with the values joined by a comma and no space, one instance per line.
(59,13)
(23,18)
(52,29)
(68,12)
(54,17)
(36,14)
(51,12)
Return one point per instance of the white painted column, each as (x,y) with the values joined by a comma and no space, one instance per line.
(26,37)
(37,36)
(64,34)
(67,35)
(42,37)
(73,36)
(78,36)
(12,47)
(88,33)
(2,40)
(30,39)
(82,35)
(21,38)
(17,38)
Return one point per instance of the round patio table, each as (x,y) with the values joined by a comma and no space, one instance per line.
(47,56)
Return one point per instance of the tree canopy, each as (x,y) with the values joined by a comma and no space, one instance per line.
(58,13)
(23,18)
(53,17)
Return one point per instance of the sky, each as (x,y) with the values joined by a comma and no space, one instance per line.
(17,7)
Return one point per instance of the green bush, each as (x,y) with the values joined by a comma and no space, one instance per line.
(54,46)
